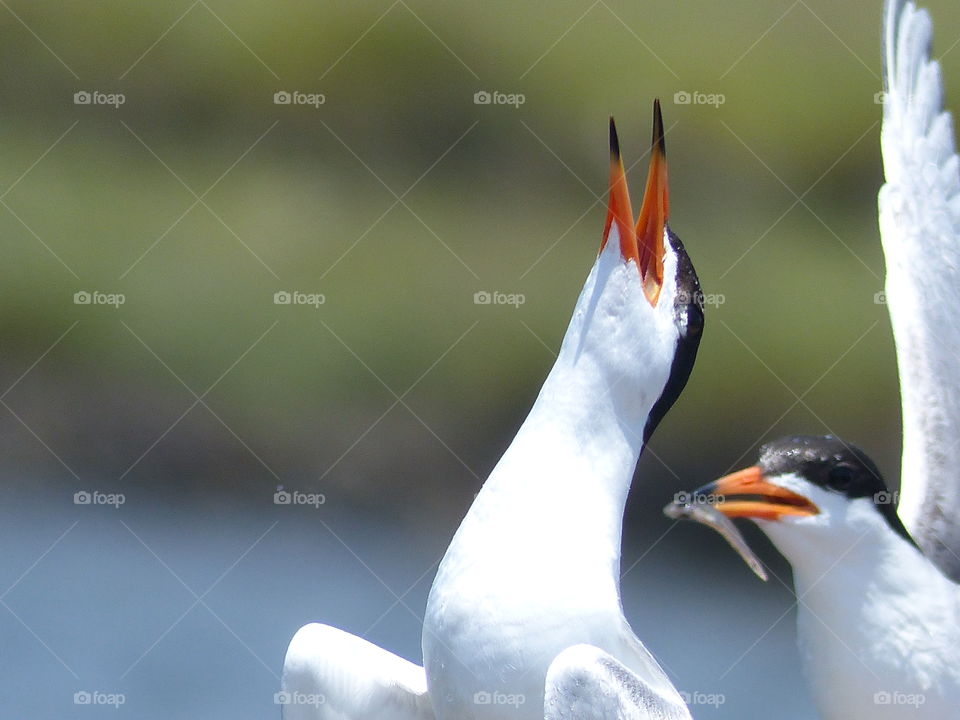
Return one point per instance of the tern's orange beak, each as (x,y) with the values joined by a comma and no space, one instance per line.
(749,494)
(642,243)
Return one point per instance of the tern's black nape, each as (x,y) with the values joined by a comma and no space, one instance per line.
(832,464)
(688,315)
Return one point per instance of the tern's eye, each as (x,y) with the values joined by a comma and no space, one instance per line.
(840,477)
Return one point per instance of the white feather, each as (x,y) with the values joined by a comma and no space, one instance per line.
(920,228)
(329,674)
(878,625)
(534,567)
(585,683)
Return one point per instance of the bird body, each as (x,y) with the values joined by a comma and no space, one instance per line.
(878,624)
(878,619)
(535,565)
(526,602)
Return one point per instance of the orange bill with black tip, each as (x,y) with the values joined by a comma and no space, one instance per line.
(749,494)
(619,211)
(653,213)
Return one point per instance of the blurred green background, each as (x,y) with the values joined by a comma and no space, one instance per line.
(397,199)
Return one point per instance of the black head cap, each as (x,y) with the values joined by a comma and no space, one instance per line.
(688,314)
(834,465)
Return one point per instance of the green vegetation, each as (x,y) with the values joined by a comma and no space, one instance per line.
(511,207)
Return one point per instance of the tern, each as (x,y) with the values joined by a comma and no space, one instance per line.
(878,600)
(524,618)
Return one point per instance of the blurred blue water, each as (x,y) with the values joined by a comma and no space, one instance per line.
(187,613)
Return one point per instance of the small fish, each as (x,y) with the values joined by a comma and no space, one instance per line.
(708,515)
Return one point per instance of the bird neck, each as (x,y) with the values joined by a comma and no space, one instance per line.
(863,552)
(565,477)
(560,488)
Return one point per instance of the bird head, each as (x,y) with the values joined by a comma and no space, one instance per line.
(640,315)
(807,493)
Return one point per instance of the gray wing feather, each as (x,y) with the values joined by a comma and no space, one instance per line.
(920,228)
(586,683)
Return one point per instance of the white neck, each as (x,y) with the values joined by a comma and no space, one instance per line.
(874,615)
(567,473)
(535,566)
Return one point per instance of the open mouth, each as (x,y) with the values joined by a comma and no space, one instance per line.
(749,494)
(641,242)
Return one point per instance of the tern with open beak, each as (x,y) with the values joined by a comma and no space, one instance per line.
(524,618)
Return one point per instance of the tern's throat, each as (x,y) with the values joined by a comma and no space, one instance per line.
(577,450)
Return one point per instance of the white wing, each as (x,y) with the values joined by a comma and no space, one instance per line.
(329,674)
(585,683)
(920,228)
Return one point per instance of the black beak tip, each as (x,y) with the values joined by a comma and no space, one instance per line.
(658,140)
(614,140)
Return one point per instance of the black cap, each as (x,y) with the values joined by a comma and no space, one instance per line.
(834,465)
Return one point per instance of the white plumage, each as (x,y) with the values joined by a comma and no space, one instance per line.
(526,602)
(334,675)
(879,616)
(584,682)
(920,229)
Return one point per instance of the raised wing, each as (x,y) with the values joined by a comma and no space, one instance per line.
(920,228)
(329,674)
(585,683)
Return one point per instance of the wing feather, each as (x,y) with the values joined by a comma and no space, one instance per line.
(920,228)
(586,683)
(329,674)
